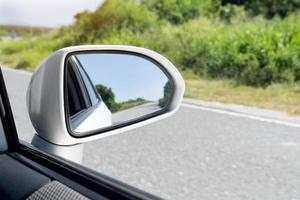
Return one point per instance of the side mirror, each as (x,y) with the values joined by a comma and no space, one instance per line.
(84,93)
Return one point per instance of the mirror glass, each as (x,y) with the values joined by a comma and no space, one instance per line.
(106,89)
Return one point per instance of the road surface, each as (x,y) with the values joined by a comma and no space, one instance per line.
(135,112)
(196,154)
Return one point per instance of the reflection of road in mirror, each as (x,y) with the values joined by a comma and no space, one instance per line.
(135,112)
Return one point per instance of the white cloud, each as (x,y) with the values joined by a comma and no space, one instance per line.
(43,13)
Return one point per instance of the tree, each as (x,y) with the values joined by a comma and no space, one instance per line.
(108,97)
(167,95)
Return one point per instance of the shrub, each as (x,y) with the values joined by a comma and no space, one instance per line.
(23,64)
(268,8)
(231,12)
(112,17)
(8,48)
(256,52)
(178,11)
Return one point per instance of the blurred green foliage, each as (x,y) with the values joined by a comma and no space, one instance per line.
(178,11)
(268,8)
(209,37)
(112,17)
(22,30)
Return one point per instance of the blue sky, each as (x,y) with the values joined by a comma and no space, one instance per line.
(129,76)
(43,13)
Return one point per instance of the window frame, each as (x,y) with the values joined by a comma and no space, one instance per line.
(87,180)
(77,90)
(89,82)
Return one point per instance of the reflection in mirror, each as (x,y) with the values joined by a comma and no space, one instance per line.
(108,89)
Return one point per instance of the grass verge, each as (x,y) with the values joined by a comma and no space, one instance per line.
(279,97)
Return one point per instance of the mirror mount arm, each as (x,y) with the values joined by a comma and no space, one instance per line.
(70,152)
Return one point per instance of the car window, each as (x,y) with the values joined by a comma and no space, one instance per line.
(88,84)
(75,96)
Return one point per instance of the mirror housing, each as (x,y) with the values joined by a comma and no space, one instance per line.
(46,95)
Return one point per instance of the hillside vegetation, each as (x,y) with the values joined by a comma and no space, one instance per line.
(22,30)
(254,44)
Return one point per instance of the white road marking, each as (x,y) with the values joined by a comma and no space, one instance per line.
(253,117)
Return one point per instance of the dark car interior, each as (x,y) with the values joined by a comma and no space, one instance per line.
(29,173)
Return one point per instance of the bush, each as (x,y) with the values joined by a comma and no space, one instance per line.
(231,12)
(178,11)
(8,48)
(268,8)
(112,17)
(254,53)
(23,64)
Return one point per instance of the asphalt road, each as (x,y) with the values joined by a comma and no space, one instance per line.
(195,154)
(133,113)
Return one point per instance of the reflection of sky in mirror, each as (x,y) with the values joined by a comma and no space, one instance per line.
(128,76)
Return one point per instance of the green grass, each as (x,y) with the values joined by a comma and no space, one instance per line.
(279,97)
(27,53)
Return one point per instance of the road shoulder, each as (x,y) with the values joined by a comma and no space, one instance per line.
(244,110)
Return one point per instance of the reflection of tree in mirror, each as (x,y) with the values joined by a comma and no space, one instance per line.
(108,97)
(132,103)
(167,95)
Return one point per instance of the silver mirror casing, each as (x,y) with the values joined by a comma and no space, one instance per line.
(45,95)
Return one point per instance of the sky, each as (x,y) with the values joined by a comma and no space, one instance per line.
(43,13)
(128,76)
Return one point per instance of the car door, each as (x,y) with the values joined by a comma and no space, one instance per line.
(29,173)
